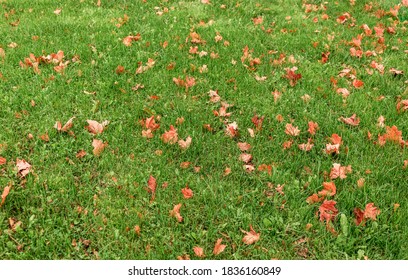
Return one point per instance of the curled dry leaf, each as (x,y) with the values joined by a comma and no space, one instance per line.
(5,193)
(232,130)
(199,252)
(250,236)
(176,212)
(80,154)
(2,160)
(23,167)
(353,120)
(185,144)
(187,192)
(95,127)
(151,186)
(67,126)
(170,136)
(98,146)
(218,247)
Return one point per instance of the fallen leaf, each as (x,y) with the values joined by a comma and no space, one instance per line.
(2,160)
(199,252)
(243,146)
(313,127)
(23,167)
(185,144)
(176,212)
(95,127)
(5,193)
(151,186)
(218,247)
(127,41)
(246,158)
(187,192)
(371,212)
(353,120)
(67,126)
(80,154)
(250,236)
(328,210)
(170,136)
(292,130)
(339,171)
(232,130)
(329,189)
(98,146)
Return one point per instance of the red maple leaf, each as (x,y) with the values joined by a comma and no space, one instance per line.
(170,136)
(328,210)
(292,76)
(151,186)
(371,212)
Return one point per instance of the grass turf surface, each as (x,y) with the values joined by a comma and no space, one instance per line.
(70,207)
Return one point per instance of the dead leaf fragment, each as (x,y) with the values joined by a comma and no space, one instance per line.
(185,144)
(5,193)
(67,126)
(170,136)
(199,252)
(187,192)
(2,160)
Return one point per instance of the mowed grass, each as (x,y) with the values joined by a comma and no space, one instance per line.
(87,208)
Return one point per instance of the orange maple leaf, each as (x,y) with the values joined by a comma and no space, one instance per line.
(250,236)
(328,210)
(339,171)
(151,186)
(232,130)
(312,127)
(218,247)
(329,189)
(371,212)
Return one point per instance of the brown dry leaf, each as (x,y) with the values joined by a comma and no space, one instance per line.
(23,167)
(250,236)
(199,252)
(151,186)
(353,120)
(99,146)
(57,12)
(67,126)
(170,136)
(243,146)
(185,144)
(291,130)
(176,212)
(218,247)
(339,171)
(5,193)
(137,229)
(95,127)
(371,212)
(246,158)
(80,154)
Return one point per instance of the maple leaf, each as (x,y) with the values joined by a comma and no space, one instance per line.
(214,97)
(218,247)
(150,123)
(243,146)
(257,121)
(151,186)
(80,154)
(343,91)
(292,76)
(312,127)
(5,193)
(176,213)
(199,252)
(232,130)
(95,127)
(187,192)
(170,136)
(332,149)
(353,120)
(291,130)
(127,41)
(358,83)
(246,158)
(306,146)
(335,139)
(329,189)
(257,20)
(185,144)
(371,212)
(393,134)
(265,167)
(98,146)
(250,236)
(67,126)
(339,171)
(328,210)
(314,198)
(23,167)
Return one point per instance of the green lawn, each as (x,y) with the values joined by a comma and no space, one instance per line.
(284,76)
